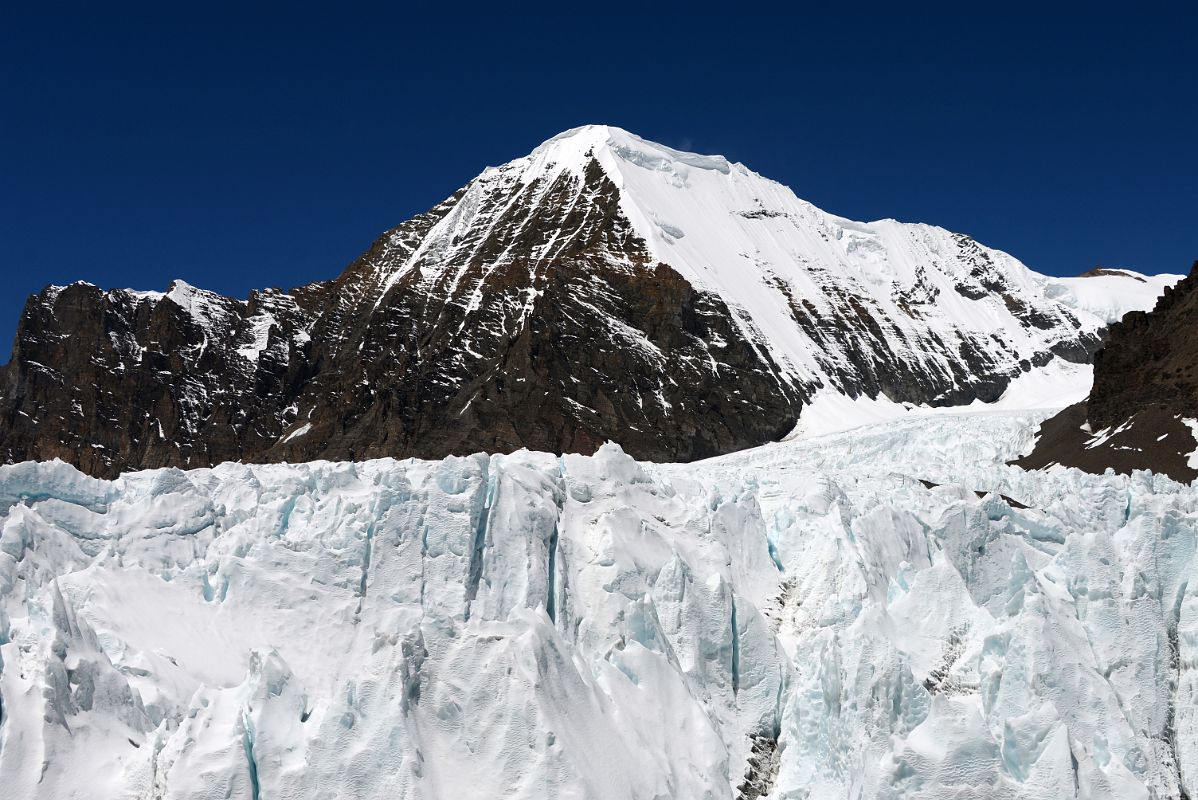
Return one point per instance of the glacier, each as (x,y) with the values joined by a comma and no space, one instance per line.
(885,612)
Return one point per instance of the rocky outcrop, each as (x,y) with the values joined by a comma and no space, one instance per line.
(1145,390)
(121,380)
(558,352)
(1150,360)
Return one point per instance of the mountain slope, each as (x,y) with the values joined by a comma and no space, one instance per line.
(1142,412)
(601,288)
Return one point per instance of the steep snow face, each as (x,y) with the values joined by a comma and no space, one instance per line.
(837,303)
(762,249)
(873,614)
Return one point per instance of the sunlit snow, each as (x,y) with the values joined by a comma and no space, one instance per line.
(536,627)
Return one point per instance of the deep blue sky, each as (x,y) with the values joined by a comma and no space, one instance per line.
(239,147)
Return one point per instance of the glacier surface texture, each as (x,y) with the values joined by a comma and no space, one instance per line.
(866,614)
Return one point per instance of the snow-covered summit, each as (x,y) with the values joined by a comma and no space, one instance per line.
(720,205)
(573,148)
(785,268)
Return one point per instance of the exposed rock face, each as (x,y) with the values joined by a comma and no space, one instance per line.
(1098,272)
(1145,388)
(602,288)
(1150,360)
(120,380)
(557,351)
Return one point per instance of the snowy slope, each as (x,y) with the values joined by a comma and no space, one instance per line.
(1110,294)
(802,283)
(802,620)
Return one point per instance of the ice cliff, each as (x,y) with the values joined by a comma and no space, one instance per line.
(869,614)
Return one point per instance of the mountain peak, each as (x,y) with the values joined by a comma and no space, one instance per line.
(603,287)
(574,146)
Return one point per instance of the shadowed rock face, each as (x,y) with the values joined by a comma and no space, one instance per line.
(1150,360)
(557,350)
(1145,385)
(526,310)
(112,380)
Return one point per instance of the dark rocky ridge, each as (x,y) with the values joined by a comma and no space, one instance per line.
(535,317)
(1100,271)
(1145,384)
(559,353)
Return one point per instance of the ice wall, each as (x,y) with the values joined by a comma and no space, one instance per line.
(805,620)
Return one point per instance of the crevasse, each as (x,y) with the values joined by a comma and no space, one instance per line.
(803,620)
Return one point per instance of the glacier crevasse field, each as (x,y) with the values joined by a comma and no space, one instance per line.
(858,615)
